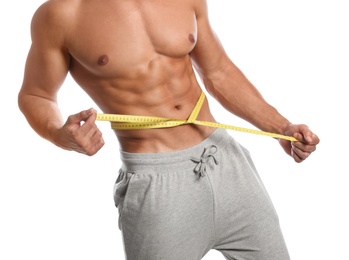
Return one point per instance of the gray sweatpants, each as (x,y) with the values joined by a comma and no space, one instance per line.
(179,205)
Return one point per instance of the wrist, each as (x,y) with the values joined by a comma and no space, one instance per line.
(283,128)
(54,134)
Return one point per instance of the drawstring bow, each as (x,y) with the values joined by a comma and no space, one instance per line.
(206,158)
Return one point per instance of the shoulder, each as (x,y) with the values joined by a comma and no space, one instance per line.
(56,9)
(200,7)
(54,17)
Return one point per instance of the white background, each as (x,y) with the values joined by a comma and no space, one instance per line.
(56,204)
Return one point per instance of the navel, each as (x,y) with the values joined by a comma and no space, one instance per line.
(178,107)
(103,60)
(191,38)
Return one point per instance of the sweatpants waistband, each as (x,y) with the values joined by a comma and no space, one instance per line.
(144,162)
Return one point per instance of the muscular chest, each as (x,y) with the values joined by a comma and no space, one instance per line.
(120,36)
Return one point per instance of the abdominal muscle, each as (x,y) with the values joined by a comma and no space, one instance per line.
(166,139)
(177,104)
(167,88)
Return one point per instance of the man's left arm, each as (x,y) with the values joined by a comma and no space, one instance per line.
(231,88)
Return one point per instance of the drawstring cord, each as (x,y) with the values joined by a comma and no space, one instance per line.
(205,159)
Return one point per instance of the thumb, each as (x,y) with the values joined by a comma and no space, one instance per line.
(81,116)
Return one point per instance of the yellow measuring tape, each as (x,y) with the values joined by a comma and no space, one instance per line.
(130,122)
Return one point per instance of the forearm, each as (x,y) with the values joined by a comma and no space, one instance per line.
(238,95)
(42,114)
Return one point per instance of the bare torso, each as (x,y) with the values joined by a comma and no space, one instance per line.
(133,58)
(136,57)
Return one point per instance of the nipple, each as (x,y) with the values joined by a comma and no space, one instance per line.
(191,38)
(103,60)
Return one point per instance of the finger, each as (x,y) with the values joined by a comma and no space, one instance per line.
(299,137)
(89,127)
(88,136)
(95,135)
(296,157)
(80,117)
(307,136)
(98,140)
(95,143)
(301,154)
(303,146)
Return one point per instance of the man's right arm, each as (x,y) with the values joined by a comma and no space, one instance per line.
(46,68)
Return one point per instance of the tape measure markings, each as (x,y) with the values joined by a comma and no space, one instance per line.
(127,122)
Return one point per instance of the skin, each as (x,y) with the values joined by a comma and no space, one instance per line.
(137,57)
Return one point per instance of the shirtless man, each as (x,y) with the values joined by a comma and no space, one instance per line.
(184,190)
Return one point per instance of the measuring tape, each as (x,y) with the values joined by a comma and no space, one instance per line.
(131,122)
